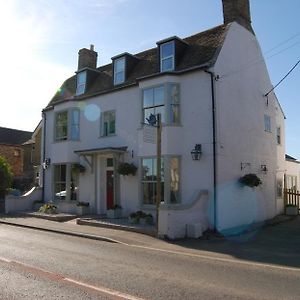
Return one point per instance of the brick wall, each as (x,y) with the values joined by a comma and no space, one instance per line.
(14,156)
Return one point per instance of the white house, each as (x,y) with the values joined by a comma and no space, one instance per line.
(210,89)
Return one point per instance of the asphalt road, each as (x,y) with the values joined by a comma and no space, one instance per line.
(41,265)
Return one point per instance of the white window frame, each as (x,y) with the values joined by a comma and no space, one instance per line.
(119,62)
(105,131)
(81,85)
(163,58)
(267,123)
(70,125)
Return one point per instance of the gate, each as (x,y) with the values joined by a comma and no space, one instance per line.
(291,197)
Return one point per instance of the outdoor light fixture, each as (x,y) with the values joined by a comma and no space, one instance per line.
(46,163)
(264,168)
(196,152)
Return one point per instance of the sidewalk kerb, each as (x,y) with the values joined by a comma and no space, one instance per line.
(70,233)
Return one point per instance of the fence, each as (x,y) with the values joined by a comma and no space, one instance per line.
(292,197)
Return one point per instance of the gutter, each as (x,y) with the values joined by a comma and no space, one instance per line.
(44,153)
(213,102)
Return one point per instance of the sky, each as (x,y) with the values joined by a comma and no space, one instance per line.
(40,40)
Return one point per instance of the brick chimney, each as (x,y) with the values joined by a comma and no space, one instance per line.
(87,58)
(239,11)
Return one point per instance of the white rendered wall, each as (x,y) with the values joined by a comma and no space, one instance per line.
(241,105)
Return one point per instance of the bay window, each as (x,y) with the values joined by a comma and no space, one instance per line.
(67,125)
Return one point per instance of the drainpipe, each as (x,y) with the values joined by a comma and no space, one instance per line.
(44,154)
(213,102)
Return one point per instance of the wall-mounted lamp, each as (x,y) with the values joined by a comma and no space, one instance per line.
(264,169)
(196,152)
(46,163)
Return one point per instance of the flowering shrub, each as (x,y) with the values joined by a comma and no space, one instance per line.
(48,208)
(251,180)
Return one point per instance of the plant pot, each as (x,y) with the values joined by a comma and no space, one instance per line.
(114,213)
(291,210)
(83,210)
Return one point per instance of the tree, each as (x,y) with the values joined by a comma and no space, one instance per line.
(5,177)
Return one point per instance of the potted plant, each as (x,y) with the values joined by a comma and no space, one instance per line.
(48,208)
(291,210)
(83,208)
(251,180)
(115,212)
(127,169)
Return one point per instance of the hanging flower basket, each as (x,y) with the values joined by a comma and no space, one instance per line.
(251,180)
(127,169)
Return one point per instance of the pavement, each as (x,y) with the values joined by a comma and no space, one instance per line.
(274,242)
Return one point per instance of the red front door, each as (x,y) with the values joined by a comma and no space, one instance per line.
(110,189)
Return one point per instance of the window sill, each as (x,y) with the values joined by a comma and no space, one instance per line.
(107,136)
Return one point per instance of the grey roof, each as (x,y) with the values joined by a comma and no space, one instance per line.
(11,136)
(290,158)
(202,49)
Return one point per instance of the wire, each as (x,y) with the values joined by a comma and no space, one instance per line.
(291,70)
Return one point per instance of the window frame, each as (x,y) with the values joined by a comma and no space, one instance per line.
(122,71)
(69,124)
(163,58)
(102,127)
(267,123)
(81,86)
(167,116)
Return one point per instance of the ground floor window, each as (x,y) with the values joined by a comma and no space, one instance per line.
(291,182)
(65,183)
(170,180)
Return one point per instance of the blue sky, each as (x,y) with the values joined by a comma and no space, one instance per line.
(40,40)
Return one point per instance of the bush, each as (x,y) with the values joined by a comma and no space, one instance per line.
(5,177)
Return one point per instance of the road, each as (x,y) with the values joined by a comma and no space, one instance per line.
(41,265)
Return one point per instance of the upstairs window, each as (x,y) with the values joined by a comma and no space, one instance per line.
(154,102)
(81,83)
(108,123)
(61,126)
(267,121)
(119,70)
(67,125)
(167,56)
(278,136)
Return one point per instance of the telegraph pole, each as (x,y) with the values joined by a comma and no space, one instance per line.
(158,167)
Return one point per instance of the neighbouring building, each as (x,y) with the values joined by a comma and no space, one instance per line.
(212,91)
(16,154)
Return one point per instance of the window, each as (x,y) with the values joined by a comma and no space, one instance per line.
(154,102)
(164,100)
(279,188)
(174,180)
(149,180)
(291,182)
(119,70)
(81,83)
(108,123)
(278,135)
(61,126)
(65,182)
(267,120)
(167,56)
(75,124)
(64,120)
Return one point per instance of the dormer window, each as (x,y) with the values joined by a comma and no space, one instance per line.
(81,83)
(167,56)
(119,70)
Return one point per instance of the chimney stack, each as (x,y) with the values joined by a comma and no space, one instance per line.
(87,58)
(238,11)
